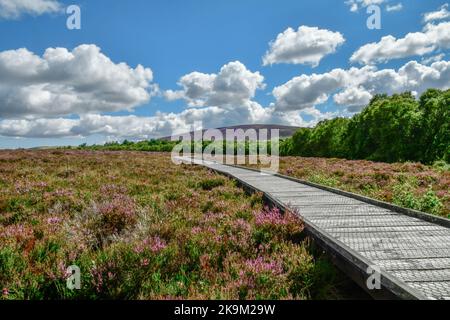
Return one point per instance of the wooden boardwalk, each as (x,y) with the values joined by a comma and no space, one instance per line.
(412,251)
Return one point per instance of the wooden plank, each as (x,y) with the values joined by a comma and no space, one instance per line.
(414,264)
(412,236)
(300,193)
(434,290)
(376,230)
(313,201)
(427,237)
(370,245)
(418,253)
(326,209)
(343,215)
(422,275)
(336,222)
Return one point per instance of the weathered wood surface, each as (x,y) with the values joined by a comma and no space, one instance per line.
(413,254)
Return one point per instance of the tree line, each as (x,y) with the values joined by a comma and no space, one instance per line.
(393,128)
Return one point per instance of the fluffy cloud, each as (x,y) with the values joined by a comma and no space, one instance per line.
(441,14)
(353,98)
(230,91)
(294,101)
(232,86)
(63,82)
(113,126)
(413,44)
(216,100)
(432,59)
(393,8)
(353,88)
(307,45)
(355,5)
(133,127)
(13,9)
(38,128)
(307,91)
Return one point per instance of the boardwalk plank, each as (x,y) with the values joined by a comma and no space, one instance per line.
(414,264)
(399,229)
(434,290)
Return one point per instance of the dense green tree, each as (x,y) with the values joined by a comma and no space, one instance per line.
(435,134)
(391,128)
(387,130)
(301,142)
(326,140)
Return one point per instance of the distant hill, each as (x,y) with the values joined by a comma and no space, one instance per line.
(285,131)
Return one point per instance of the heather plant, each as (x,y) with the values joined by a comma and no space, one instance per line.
(209,184)
(428,202)
(192,235)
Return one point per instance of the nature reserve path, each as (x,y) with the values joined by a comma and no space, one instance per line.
(411,250)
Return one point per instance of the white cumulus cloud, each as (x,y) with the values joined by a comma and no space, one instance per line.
(355,5)
(13,9)
(353,88)
(134,127)
(432,59)
(64,82)
(432,37)
(394,7)
(232,86)
(307,45)
(441,14)
(220,99)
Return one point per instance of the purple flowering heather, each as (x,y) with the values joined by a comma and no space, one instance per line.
(154,244)
(259,265)
(269,217)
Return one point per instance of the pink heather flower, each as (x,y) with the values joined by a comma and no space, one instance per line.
(270,217)
(112,189)
(242,225)
(196,230)
(19,232)
(145,262)
(21,188)
(53,220)
(258,265)
(120,204)
(139,248)
(211,230)
(5,291)
(157,244)
(97,278)
(154,244)
(63,193)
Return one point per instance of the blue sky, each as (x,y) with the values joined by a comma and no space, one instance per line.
(176,38)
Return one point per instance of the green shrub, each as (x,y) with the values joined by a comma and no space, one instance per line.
(209,184)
